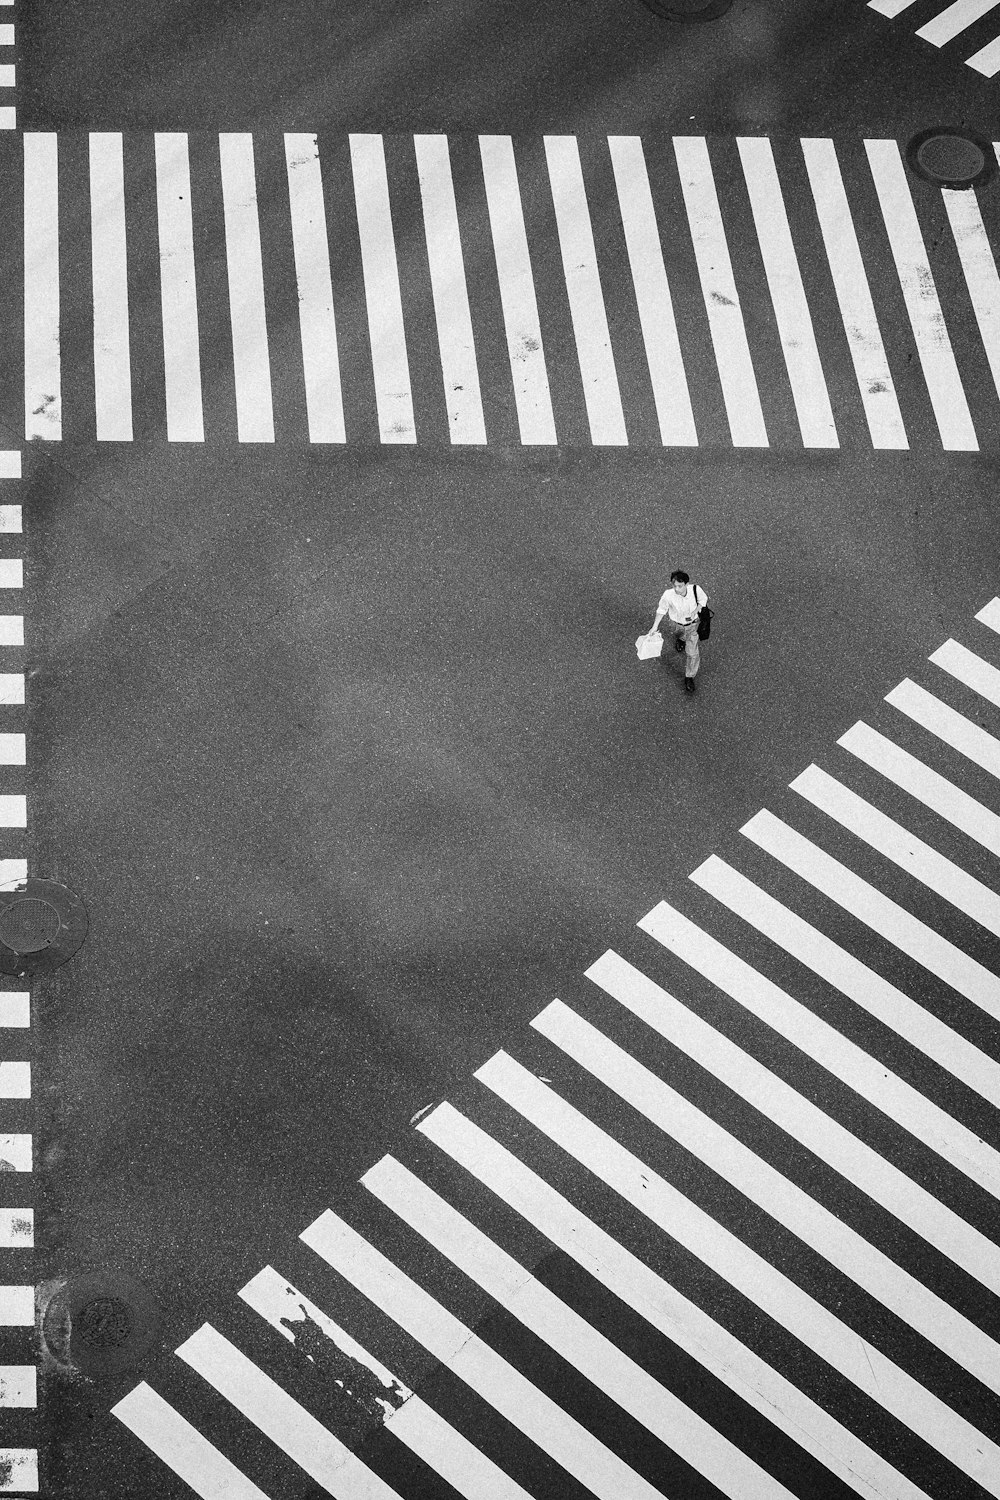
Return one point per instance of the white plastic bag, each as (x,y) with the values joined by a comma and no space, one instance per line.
(648,646)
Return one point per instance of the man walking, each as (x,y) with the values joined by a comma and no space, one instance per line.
(681,603)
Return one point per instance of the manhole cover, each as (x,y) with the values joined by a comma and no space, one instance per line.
(28,924)
(950,158)
(104,1323)
(98,1322)
(688,10)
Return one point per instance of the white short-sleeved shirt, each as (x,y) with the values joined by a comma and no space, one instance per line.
(683,611)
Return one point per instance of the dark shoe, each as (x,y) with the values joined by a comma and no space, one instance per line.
(678,644)
(689,685)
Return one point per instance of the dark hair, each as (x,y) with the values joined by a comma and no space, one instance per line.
(679,576)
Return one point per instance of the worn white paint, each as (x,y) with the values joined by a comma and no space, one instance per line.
(245,271)
(17,1228)
(196,1461)
(178,289)
(387,334)
(15,1153)
(10,518)
(979,269)
(109,261)
(317,319)
(42,360)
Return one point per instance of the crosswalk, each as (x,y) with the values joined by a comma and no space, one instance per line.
(723,1222)
(950,24)
(678,292)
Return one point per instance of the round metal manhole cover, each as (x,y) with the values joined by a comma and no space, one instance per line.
(29,924)
(98,1322)
(950,158)
(688,10)
(104,1323)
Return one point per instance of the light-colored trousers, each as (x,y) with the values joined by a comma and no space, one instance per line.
(689,635)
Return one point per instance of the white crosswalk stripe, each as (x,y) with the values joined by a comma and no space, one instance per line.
(587,1140)
(949,24)
(598,344)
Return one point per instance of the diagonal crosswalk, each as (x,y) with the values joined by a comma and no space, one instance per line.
(676,292)
(950,24)
(741,1240)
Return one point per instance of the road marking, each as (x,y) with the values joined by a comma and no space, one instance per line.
(452,314)
(955,19)
(990,615)
(969,668)
(13,810)
(517,291)
(178,290)
(17,1308)
(11,630)
(279,1417)
(944,384)
(899,927)
(979,269)
(17,1228)
(946,724)
(526,1407)
(15,1008)
(21,1467)
(987,60)
(245,270)
(917,1025)
(583,288)
(857,310)
(15,1080)
(586,1350)
(10,463)
(11,687)
(652,293)
(317,319)
(889,8)
(42,366)
(182,1448)
(788,297)
(10,518)
(722,301)
(627,1277)
(764,1185)
(390,365)
(845,1350)
(824,1136)
(15,1153)
(11,573)
(109,260)
(18,1386)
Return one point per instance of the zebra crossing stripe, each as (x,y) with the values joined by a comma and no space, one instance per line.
(979,269)
(279,1417)
(955,19)
(937,359)
(178,296)
(824,1136)
(390,364)
(987,60)
(918,1026)
(781,1299)
(900,846)
(865,1075)
(456,341)
(722,301)
(42,367)
(109,261)
(757,1180)
(444,1449)
(989,615)
(517,291)
(857,309)
(583,288)
(889,8)
(18,1386)
(574,1339)
(788,297)
(248,316)
(17,1228)
(638,1286)
(946,724)
(652,293)
(21,1467)
(967,667)
(182,1448)
(526,1407)
(317,320)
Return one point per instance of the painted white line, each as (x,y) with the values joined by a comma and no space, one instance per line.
(969,668)
(11,630)
(990,615)
(722,301)
(903,848)
(10,463)
(866,1075)
(245,269)
(517,291)
(857,310)
(178,290)
(11,687)
(6,36)
(406,1416)
(987,60)
(15,1080)
(13,873)
(842,1347)
(17,1306)
(8,117)
(12,750)
(15,1008)
(456,341)
(788,297)
(11,573)
(955,19)
(21,1467)
(13,810)
(18,1385)
(10,518)
(652,294)
(15,1153)
(553,1430)
(390,365)
(583,288)
(8,73)
(947,725)
(665,1309)
(980,270)
(857,1162)
(918,1026)
(182,1448)
(571,1336)
(944,384)
(317,319)
(279,1417)
(112,360)
(876,911)
(757,1180)
(889,8)
(17,1228)
(42,364)
(926,785)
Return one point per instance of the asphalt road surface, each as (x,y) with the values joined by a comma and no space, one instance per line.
(334,721)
